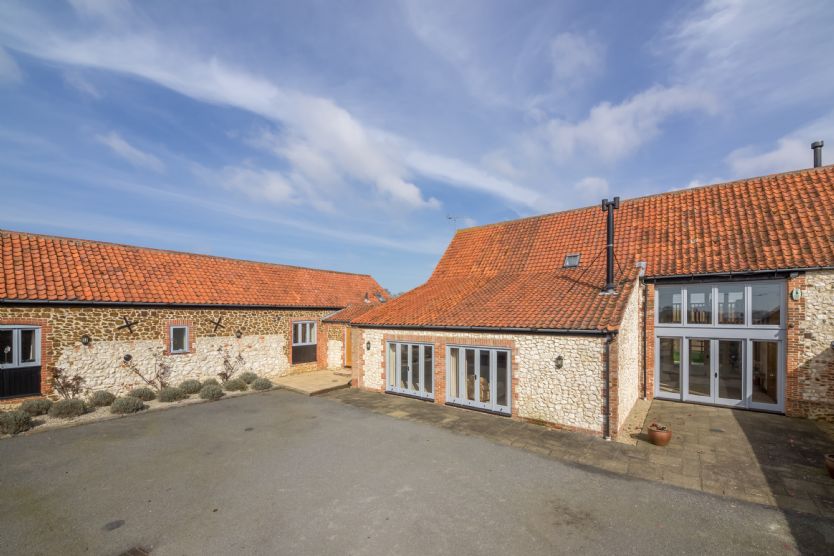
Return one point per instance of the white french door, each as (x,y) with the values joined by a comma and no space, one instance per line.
(410,369)
(732,372)
(479,377)
(715,371)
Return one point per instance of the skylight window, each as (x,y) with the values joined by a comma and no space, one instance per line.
(571,261)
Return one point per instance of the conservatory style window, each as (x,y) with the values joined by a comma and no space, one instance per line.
(726,347)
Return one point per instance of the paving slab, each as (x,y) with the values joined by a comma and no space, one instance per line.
(314,383)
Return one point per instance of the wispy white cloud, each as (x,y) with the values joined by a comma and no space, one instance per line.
(777,51)
(790,152)
(591,188)
(454,171)
(77,81)
(128,152)
(614,131)
(111,11)
(258,184)
(576,58)
(319,124)
(9,70)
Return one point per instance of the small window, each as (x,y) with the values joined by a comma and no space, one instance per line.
(571,261)
(669,305)
(20,347)
(699,305)
(179,339)
(303,342)
(303,333)
(766,304)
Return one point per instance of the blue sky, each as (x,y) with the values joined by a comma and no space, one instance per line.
(344,134)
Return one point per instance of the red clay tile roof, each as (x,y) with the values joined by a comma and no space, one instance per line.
(45,268)
(510,274)
(351,312)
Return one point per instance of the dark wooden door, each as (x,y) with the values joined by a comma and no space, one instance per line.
(22,381)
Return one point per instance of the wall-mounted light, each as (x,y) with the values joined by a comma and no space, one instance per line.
(368,346)
(238,334)
(832,345)
(128,357)
(559,362)
(85,340)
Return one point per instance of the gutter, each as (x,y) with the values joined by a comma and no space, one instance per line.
(561,331)
(71,303)
(741,274)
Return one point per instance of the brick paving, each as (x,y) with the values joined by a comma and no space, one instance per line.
(757,457)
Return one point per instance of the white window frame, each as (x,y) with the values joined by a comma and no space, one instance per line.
(570,256)
(187,347)
(16,347)
(491,406)
(393,368)
(310,332)
(748,306)
(746,332)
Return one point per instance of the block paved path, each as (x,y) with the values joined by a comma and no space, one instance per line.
(757,457)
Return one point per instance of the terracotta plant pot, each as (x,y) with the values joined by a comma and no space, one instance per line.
(829,464)
(659,435)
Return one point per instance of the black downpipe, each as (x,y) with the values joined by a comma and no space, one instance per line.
(609,207)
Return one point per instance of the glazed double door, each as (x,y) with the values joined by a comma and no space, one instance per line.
(410,369)
(740,372)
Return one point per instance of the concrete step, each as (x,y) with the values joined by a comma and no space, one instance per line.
(314,383)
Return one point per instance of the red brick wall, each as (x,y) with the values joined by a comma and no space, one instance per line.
(793,347)
(166,333)
(649,355)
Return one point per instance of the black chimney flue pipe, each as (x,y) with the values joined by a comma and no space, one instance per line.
(610,207)
(816,146)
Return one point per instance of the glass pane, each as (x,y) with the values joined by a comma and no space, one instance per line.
(484,378)
(501,368)
(670,365)
(6,347)
(765,372)
(178,339)
(470,373)
(392,364)
(312,335)
(414,365)
(699,368)
(28,349)
(766,301)
(669,301)
(428,369)
(452,372)
(303,328)
(699,301)
(403,374)
(730,304)
(295,333)
(730,362)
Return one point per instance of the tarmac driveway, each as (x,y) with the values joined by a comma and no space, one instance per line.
(280,473)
